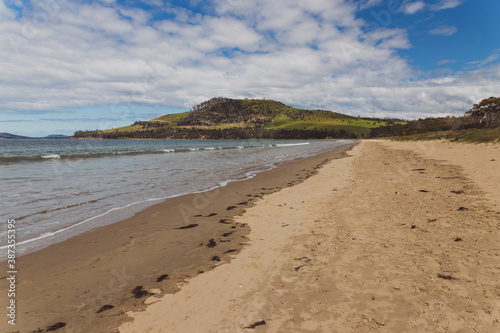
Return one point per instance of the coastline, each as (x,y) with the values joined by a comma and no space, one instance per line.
(69,190)
(181,237)
(395,238)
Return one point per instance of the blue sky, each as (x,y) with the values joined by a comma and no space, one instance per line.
(67,65)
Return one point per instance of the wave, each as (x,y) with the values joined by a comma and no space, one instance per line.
(52,156)
(292,144)
(50,234)
(47,235)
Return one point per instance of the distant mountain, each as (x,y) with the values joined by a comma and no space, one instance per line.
(225,118)
(12,136)
(56,136)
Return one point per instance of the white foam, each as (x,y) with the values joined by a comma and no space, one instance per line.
(51,156)
(292,144)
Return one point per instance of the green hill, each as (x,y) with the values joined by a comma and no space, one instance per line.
(245,118)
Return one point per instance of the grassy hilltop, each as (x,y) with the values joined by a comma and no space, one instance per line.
(226,118)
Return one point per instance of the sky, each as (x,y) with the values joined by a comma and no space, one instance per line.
(84,65)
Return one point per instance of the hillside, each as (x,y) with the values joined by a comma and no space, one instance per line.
(224,118)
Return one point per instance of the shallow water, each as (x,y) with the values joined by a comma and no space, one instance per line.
(55,189)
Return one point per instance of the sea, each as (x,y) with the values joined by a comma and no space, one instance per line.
(57,188)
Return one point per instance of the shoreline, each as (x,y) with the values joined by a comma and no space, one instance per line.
(125,209)
(168,242)
(395,239)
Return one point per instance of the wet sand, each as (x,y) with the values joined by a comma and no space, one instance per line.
(90,281)
(399,237)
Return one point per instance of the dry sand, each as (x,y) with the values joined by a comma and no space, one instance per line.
(399,237)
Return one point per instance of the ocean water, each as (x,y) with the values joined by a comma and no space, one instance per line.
(56,189)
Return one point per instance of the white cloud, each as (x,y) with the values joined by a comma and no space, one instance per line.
(411,8)
(6,13)
(444,30)
(489,60)
(310,54)
(153,2)
(445,61)
(369,4)
(446,4)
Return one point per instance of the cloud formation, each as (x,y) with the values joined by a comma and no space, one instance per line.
(446,4)
(61,54)
(413,7)
(444,30)
(490,59)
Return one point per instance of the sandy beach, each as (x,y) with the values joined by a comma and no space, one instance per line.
(398,237)
(157,250)
(386,236)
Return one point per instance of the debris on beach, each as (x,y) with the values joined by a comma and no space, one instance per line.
(51,328)
(189,226)
(162,277)
(446,277)
(212,243)
(105,307)
(299,267)
(257,323)
(139,292)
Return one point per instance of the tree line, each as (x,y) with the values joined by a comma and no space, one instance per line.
(221,134)
(485,114)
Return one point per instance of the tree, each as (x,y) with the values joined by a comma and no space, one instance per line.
(486,113)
